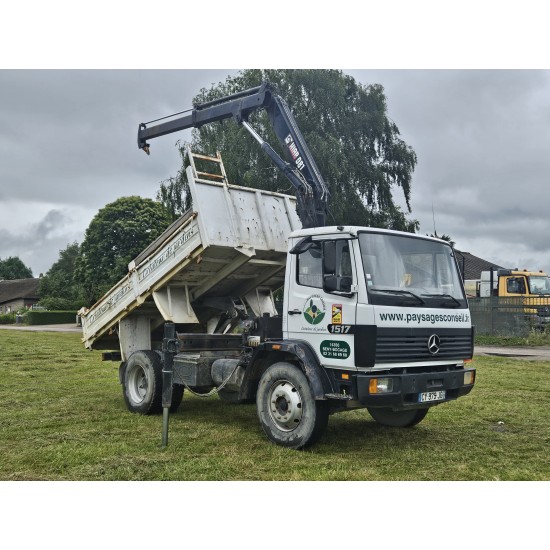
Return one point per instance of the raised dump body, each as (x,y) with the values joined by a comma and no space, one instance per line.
(222,258)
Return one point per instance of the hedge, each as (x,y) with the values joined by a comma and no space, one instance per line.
(50,317)
(7,318)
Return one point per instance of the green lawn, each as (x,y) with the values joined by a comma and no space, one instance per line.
(63,418)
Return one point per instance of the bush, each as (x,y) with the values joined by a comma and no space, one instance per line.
(60,304)
(50,317)
(539,337)
(7,318)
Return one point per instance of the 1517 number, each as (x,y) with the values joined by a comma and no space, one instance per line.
(340,329)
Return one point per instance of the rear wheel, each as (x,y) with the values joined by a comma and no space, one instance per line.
(398,419)
(288,412)
(142,384)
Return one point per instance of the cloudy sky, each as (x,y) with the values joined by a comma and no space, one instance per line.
(68,142)
(68,147)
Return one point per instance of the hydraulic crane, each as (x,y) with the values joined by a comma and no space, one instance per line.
(301,169)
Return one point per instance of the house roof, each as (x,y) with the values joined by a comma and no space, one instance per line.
(473,266)
(17,289)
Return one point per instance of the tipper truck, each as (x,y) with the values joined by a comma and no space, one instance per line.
(370,318)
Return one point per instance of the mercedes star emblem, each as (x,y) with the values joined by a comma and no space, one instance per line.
(434,344)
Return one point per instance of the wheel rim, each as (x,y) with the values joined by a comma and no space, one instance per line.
(285,405)
(137,384)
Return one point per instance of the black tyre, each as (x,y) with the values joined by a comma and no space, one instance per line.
(142,384)
(398,419)
(288,413)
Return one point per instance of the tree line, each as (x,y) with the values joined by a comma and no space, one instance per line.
(13,268)
(355,143)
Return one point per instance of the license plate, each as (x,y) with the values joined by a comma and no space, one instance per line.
(431,396)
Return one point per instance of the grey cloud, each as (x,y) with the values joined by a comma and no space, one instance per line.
(481,138)
(53,220)
(68,138)
(38,246)
(71,135)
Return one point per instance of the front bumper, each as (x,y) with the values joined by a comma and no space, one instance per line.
(408,387)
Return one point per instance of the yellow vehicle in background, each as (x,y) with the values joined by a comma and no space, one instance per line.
(532,287)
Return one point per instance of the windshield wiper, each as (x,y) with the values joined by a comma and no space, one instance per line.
(398,292)
(443,296)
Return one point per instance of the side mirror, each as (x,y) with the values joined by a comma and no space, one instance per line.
(332,259)
(305,244)
(329,258)
(332,283)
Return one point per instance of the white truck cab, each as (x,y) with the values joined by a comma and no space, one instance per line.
(371,301)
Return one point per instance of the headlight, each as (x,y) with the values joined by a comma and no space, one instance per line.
(381,385)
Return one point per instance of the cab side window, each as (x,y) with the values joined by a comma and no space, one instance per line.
(337,270)
(326,264)
(344,269)
(310,267)
(515,285)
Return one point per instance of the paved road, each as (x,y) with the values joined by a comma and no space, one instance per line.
(44,328)
(538,353)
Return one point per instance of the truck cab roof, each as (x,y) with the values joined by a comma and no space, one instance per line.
(352,231)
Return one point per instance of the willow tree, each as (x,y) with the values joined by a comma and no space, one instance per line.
(356,146)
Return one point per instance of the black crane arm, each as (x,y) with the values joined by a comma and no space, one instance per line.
(301,170)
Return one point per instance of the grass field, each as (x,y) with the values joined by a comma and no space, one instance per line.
(62,417)
(532,339)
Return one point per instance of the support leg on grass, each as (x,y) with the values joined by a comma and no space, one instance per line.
(169,349)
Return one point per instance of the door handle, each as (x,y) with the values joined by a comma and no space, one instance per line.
(294,312)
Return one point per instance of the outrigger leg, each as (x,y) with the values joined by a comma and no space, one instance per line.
(169,349)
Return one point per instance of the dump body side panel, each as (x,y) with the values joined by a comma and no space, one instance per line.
(233,243)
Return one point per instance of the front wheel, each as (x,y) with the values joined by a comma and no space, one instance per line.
(288,412)
(142,384)
(398,419)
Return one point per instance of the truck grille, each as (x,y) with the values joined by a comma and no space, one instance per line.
(396,345)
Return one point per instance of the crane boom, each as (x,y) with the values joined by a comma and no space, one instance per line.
(300,169)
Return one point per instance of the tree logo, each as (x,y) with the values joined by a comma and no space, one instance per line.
(314,309)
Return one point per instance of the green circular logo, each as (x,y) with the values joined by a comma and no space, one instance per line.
(314,310)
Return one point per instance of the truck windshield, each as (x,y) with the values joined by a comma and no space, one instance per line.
(410,271)
(539,285)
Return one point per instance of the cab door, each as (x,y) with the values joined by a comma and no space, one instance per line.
(514,286)
(320,301)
